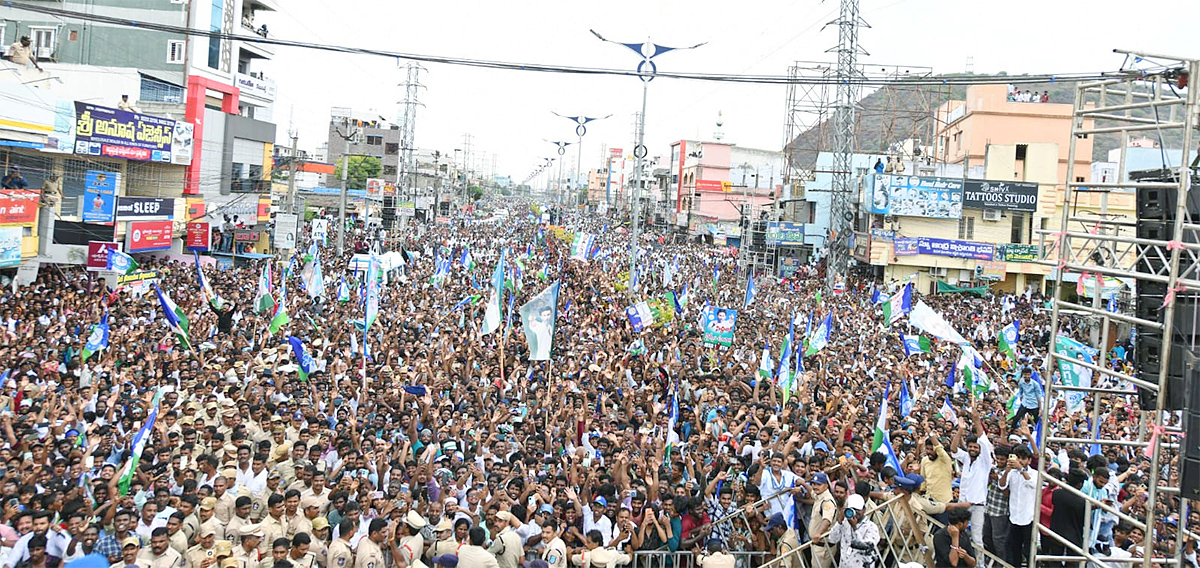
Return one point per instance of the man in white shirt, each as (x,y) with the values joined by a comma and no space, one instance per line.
(975,463)
(595,520)
(1021,482)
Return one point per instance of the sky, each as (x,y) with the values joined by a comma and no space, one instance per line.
(508,113)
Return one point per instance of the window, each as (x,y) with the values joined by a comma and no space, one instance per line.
(392,148)
(44,41)
(966,228)
(175,51)
(374,140)
(1019,220)
(216,20)
(389,170)
(1079,179)
(1022,150)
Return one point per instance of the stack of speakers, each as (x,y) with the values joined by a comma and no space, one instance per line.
(1157,212)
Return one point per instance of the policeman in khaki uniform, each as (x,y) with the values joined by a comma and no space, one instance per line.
(208,518)
(160,554)
(224,550)
(340,553)
(507,544)
(246,553)
(821,521)
(300,555)
(204,554)
(785,541)
(320,527)
(369,555)
(717,557)
(412,546)
(445,543)
(273,525)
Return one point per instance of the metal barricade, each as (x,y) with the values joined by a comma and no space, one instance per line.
(687,559)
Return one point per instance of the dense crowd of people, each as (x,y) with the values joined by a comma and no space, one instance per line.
(449,447)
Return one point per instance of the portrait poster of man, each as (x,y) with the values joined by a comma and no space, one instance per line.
(538,317)
(718,326)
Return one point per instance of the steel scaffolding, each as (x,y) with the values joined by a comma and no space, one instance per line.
(1149,95)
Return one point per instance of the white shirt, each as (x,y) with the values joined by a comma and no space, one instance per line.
(768,486)
(974,484)
(604,525)
(56,545)
(1022,496)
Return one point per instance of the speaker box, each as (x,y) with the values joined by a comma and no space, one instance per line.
(1155,203)
(1189,475)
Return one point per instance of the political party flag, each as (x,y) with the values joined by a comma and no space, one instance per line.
(1009,336)
(950,377)
(1073,374)
(544,274)
(915,344)
(371,311)
(280,317)
(466,261)
(304,361)
(97,340)
(264,302)
(139,442)
(898,305)
(672,418)
(749,289)
(118,261)
(975,379)
(784,378)
(316,281)
(343,293)
(818,298)
(581,247)
(877,297)
(946,412)
(765,366)
(538,320)
(492,314)
(206,291)
(906,403)
(925,319)
(820,336)
(881,442)
(716,277)
(176,319)
(1011,406)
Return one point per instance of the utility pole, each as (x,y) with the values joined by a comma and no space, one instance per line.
(342,208)
(292,176)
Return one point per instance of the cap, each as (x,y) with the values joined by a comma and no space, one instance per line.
(855,501)
(131,541)
(254,529)
(819,477)
(223,547)
(448,560)
(207,530)
(229,563)
(445,525)
(821,447)
(547,508)
(601,500)
(775,522)
(504,516)
(208,503)
(320,523)
(415,520)
(910,482)
(275,474)
(310,501)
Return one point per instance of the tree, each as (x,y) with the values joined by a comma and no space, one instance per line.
(476,192)
(361,168)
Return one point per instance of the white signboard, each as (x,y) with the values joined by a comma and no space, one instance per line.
(285,231)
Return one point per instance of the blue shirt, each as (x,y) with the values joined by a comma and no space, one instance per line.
(1031,393)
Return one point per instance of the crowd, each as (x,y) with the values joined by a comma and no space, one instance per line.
(450,447)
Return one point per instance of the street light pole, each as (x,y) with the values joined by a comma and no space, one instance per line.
(646,70)
(580,130)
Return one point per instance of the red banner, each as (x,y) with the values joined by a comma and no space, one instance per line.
(199,236)
(145,236)
(18,207)
(97,258)
(708,185)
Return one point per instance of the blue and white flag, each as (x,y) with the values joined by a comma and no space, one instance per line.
(97,341)
(177,320)
(882,441)
(749,289)
(118,261)
(343,294)
(906,402)
(304,361)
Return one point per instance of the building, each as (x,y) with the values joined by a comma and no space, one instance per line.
(989,224)
(717,182)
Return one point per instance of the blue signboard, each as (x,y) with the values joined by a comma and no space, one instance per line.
(100,196)
(905,246)
(956,249)
(784,234)
(914,196)
(10,246)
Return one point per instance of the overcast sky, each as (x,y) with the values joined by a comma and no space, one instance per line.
(508,112)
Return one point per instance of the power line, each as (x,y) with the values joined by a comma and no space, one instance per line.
(863,80)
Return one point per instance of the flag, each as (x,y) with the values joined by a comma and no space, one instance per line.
(950,377)
(371,311)
(925,319)
(544,275)
(946,412)
(749,290)
(820,336)
(466,261)
(538,320)
(139,441)
(472,299)
(716,277)
(1011,406)
(1009,336)
(581,247)
(492,314)
(205,290)
(176,319)
(877,297)
(882,442)
(311,253)
(906,402)
(343,293)
(97,340)
(818,299)
(672,418)
(264,302)
(898,305)
(304,361)
(118,261)
(316,280)
(280,316)
(913,344)
(975,379)
(1073,374)
(765,366)
(784,378)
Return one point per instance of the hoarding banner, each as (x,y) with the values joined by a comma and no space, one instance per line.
(956,249)
(97,258)
(145,208)
(18,207)
(199,236)
(718,326)
(709,185)
(100,196)
(883,235)
(285,231)
(788,266)
(992,269)
(1003,195)
(10,246)
(104,131)
(1020,253)
(785,234)
(904,246)
(144,236)
(375,189)
(914,196)
(138,276)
